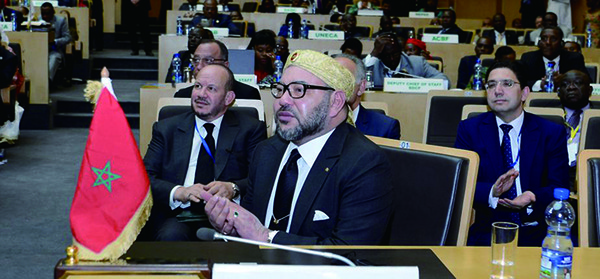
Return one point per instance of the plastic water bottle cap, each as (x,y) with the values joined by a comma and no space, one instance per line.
(277,57)
(175,55)
(561,194)
(478,61)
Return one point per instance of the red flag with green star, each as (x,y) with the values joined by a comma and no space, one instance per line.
(112,201)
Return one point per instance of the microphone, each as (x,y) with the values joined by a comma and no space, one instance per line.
(207,234)
(405,73)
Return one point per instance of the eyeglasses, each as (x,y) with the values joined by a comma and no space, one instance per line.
(504,83)
(207,60)
(297,89)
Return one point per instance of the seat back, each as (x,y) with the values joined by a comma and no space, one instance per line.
(436,64)
(552,100)
(420,170)
(443,113)
(331,27)
(592,69)
(590,130)
(169,107)
(469,35)
(588,206)
(242,26)
(250,7)
(364,31)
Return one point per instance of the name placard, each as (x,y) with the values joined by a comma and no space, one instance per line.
(326,35)
(421,15)
(440,38)
(412,85)
(259,271)
(288,10)
(247,79)
(596,88)
(370,12)
(6,26)
(219,31)
(38,3)
(201,8)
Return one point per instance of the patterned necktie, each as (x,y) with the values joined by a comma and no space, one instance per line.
(508,164)
(205,167)
(573,122)
(500,37)
(285,192)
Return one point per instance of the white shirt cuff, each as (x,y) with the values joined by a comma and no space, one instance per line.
(175,204)
(493,201)
(537,86)
(237,199)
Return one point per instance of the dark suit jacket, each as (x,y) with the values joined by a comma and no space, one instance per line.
(169,152)
(347,182)
(511,36)
(536,69)
(373,123)
(7,14)
(242,91)
(466,70)
(185,56)
(455,30)
(543,167)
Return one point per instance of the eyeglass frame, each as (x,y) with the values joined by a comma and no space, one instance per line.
(209,61)
(500,82)
(305,86)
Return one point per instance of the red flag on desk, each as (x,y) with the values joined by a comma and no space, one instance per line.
(112,201)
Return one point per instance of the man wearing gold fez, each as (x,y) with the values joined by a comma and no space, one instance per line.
(319,181)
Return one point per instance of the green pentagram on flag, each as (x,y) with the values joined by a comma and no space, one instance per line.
(105,177)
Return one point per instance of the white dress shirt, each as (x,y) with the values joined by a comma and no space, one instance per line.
(309,152)
(537,86)
(196,147)
(515,148)
(355,113)
(500,38)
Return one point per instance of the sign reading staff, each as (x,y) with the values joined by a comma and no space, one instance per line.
(440,38)
(326,35)
(412,85)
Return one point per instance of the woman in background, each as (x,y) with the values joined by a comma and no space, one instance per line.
(263,44)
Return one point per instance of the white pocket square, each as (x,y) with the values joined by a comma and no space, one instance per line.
(320,216)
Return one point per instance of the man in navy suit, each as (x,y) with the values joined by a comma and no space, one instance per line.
(211,18)
(522,159)
(319,181)
(449,26)
(550,49)
(369,122)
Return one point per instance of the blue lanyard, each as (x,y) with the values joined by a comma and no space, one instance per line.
(204,142)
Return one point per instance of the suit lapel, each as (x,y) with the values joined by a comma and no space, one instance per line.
(266,178)
(184,136)
(227,134)
(490,141)
(362,120)
(529,141)
(318,174)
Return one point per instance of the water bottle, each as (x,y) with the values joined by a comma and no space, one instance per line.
(477,77)
(588,39)
(369,78)
(278,68)
(176,75)
(549,80)
(304,30)
(14,21)
(557,248)
(290,29)
(179,26)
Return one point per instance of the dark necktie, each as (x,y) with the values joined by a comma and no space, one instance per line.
(508,164)
(285,192)
(205,167)
(573,122)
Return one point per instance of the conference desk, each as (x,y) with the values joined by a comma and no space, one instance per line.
(195,259)
(275,20)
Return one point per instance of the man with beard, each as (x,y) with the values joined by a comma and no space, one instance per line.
(319,181)
(206,149)
(523,158)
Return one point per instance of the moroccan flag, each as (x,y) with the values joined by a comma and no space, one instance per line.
(112,201)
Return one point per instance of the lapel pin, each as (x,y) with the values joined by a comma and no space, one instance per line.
(326,169)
